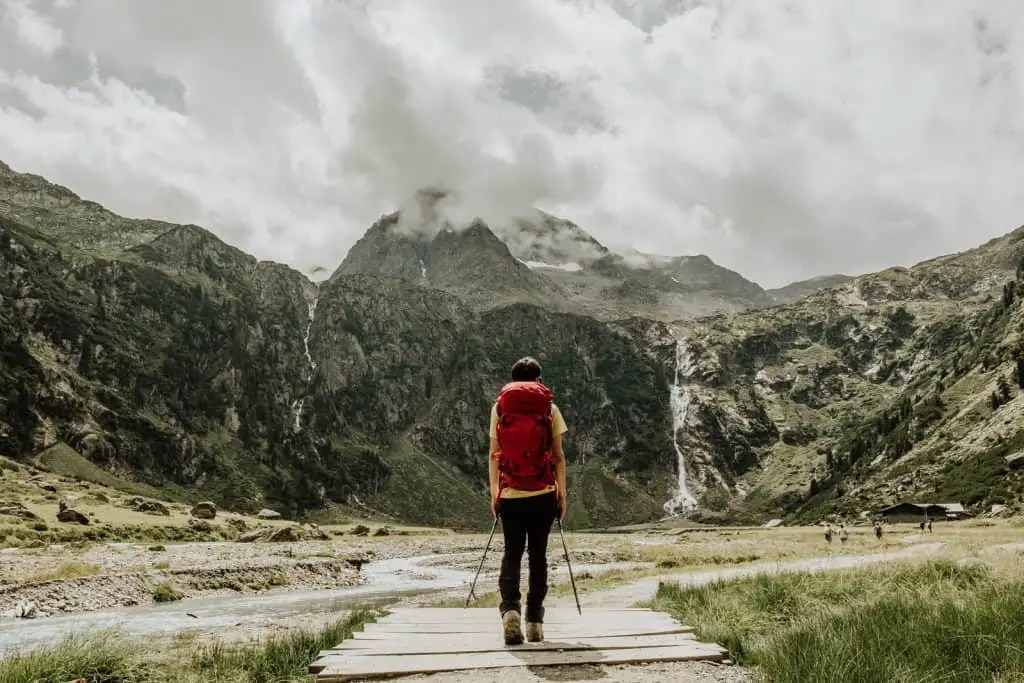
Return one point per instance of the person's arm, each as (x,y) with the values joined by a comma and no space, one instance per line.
(559,459)
(492,470)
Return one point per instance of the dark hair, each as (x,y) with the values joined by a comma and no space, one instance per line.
(526,370)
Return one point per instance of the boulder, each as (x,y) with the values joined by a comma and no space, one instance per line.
(268,514)
(204,510)
(317,534)
(18,510)
(286,534)
(26,610)
(72,516)
(360,530)
(238,524)
(383,531)
(152,507)
(253,536)
(200,525)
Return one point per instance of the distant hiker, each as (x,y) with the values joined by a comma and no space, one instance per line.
(527,477)
(921,526)
(929,526)
(878,531)
(828,534)
(843,535)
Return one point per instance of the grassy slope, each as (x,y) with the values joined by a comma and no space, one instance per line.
(938,621)
(426,490)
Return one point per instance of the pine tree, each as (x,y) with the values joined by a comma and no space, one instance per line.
(994,399)
(1020,371)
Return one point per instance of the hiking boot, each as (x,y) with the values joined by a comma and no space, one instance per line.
(534,632)
(512,627)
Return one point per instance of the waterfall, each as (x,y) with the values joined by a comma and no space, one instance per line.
(298,404)
(423,270)
(679,400)
(309,329)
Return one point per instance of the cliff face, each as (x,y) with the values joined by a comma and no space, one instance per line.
(894,386)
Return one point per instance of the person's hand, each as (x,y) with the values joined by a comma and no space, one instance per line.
(496,506)
(560,497)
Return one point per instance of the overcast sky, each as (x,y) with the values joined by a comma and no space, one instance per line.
(784,139)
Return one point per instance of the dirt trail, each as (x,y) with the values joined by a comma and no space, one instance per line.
(684,672)
(627,595)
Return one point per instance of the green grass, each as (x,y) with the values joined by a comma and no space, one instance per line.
(427,490)
(107,658)
(68,570)
(165,592)
(934,622)
(63,460)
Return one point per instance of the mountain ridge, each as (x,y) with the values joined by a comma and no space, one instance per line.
(188,364)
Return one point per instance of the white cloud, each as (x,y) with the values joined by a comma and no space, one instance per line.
(783,139)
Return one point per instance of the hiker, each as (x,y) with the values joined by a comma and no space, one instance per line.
(843,535)
(527,477)
(878,531)
(828,534)
(921,525)
(929,526)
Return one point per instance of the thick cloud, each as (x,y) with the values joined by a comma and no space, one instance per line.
(783,139)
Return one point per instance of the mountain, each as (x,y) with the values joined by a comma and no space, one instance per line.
(898,385)
(470,262)
(547,261)
(795,291)
(545,241)
(167,356)
(171,358)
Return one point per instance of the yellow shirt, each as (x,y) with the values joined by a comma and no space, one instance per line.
(558,427)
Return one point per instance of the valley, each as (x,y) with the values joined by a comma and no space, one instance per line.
(167,360)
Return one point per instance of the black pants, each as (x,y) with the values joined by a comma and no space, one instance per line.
(526,522)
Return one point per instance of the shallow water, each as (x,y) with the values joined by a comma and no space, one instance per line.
(386,580)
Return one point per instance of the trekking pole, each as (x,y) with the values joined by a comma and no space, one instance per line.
(569,565)
(488,547)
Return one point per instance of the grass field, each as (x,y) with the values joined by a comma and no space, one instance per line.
(106,658)
(938,621)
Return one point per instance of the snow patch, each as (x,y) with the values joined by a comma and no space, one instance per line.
(423,270)
(571,267)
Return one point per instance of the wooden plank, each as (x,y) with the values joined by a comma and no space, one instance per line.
(495,623)
(550,633)
(496,644)
(486,611)
(492,617)
(337,668)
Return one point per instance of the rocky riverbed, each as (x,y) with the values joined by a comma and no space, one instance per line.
(42,582)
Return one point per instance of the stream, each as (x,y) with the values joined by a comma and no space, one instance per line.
(386,581)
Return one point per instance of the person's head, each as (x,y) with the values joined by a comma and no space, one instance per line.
(526,370)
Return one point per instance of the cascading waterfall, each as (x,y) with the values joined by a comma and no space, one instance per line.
(309,329)
(298,404)
(679,399)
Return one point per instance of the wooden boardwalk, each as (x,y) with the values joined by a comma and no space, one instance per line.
(432,640)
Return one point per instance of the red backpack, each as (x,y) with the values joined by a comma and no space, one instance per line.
(524,436)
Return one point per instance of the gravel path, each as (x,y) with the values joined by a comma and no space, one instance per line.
(629,594)
(683,672)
